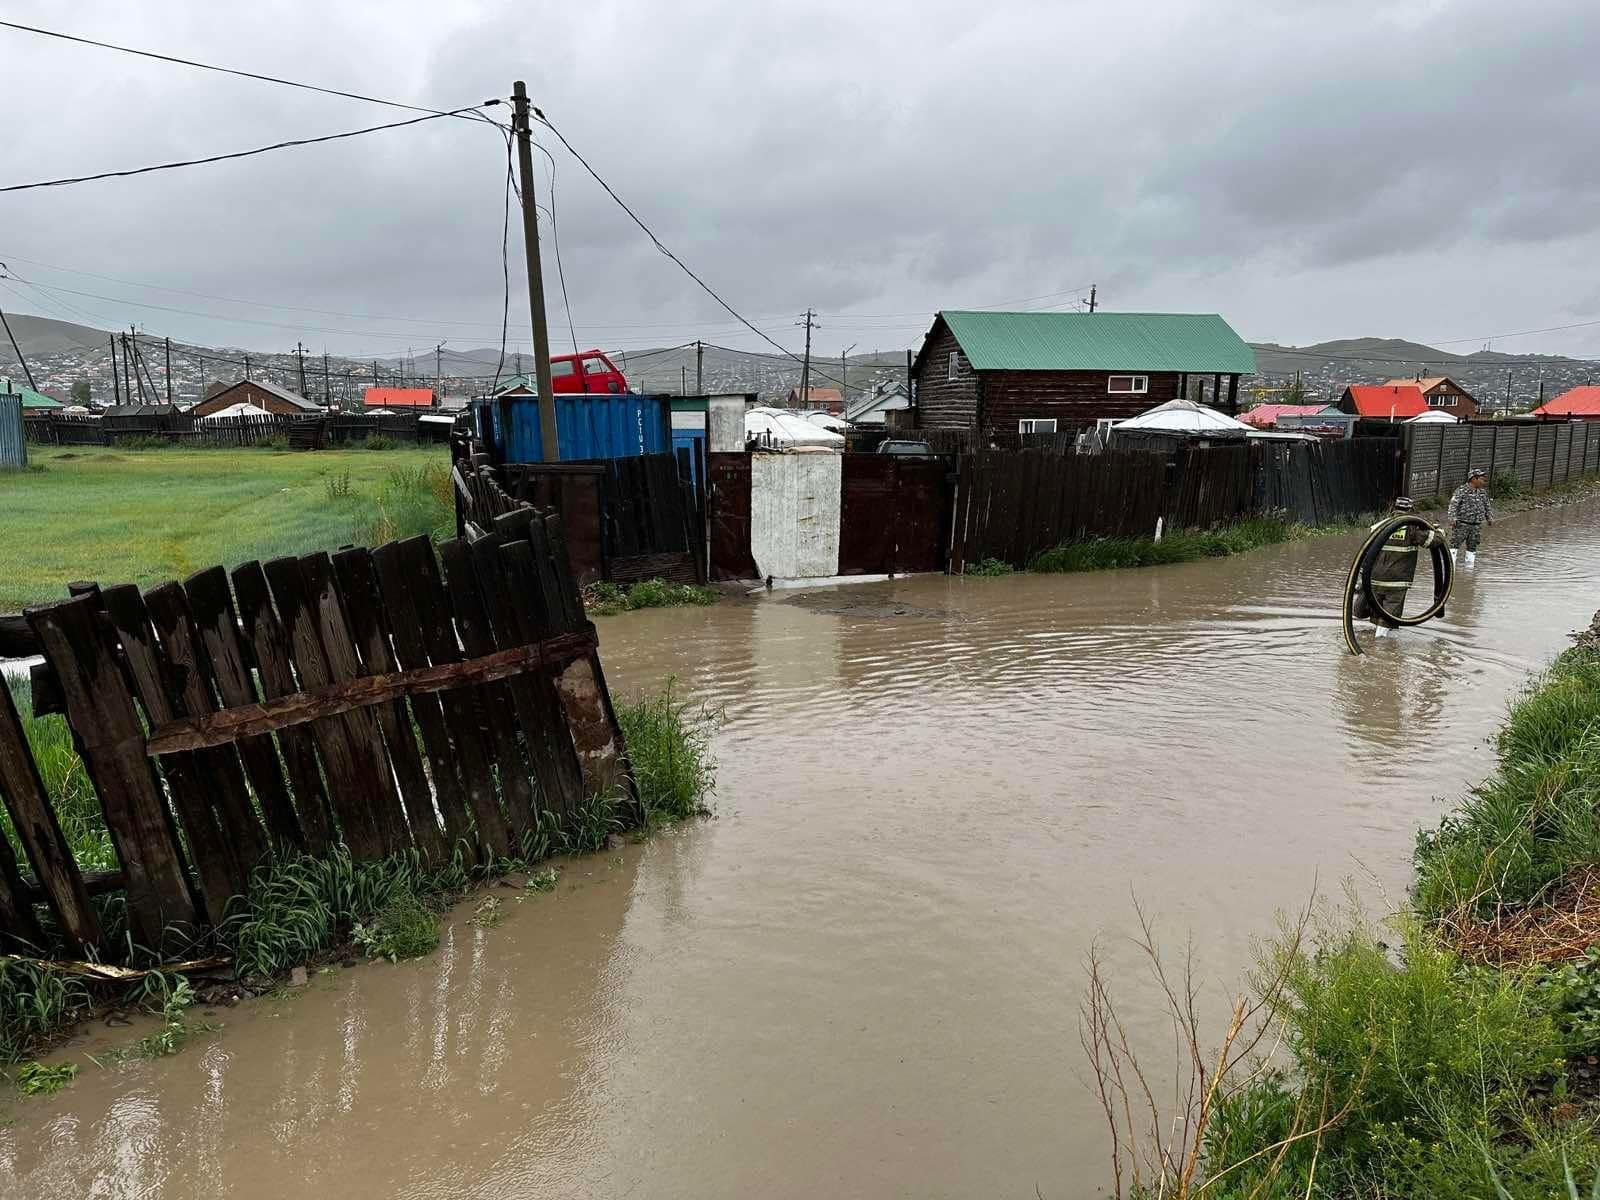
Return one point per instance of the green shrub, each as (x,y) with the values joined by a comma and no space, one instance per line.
(988,568)
(1504,485)
(669,748)
(338,487)
(36,1079)
(379,441)
(278,441)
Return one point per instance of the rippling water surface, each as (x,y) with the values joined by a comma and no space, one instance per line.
(862,978)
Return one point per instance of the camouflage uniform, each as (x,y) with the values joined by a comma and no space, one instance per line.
(1468,513)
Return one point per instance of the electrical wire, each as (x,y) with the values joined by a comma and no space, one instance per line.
(204,66)
(215,158)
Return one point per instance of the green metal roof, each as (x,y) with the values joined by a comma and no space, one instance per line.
(1202,343)
(30,398)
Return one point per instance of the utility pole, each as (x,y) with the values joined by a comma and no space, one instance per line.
(910,398)
(805,364)
(844,375)
(1093,302)
(116,384)
(27,373)
(374,372)
(438,368)
(327,392)
(247,368)
(168,342)
(699,368)
(530,240)
(683,381)
(300,361)
(1508,389)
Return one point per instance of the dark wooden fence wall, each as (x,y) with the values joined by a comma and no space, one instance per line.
(392,700)
(313,431)
(627,519)
(1012,505)
(1438,457)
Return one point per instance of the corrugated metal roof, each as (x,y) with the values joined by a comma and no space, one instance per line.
(1579,402)
(1201,343)
(30,398)
(1265,416)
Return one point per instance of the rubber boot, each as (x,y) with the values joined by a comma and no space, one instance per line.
(1472,559)
(1381,631)
(1452,556)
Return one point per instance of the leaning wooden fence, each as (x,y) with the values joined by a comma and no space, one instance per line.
(388,699)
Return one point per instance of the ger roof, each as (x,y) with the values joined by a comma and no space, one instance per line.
(1077,341)
(1579,402)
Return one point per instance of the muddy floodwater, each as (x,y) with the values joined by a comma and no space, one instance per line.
(862,978)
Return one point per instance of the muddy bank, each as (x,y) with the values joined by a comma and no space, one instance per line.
(862,979)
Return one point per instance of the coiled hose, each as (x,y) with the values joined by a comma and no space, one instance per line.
(1444,577)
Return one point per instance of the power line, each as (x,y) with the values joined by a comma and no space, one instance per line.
(659,245)
(215,158)
(203,66)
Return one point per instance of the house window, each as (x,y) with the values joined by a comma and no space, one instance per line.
(1036,425)
(1442,401)
(1126,385)
(958,365)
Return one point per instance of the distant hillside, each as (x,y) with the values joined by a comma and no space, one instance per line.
(41,335)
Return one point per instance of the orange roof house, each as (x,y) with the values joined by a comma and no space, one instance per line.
(1384,402)
(1582,403)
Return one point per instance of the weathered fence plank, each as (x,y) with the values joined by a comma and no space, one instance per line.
(42,842)
(110,740)
(270,645)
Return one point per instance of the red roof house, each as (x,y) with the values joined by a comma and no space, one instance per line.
(1581,402)
(397,397)
(1385,402)
(1265,416)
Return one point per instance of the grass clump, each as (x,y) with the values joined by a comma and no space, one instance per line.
(379,441)
(1504,485)
(607,599)
(338,487)
(404,927)
(1537,819)
(66,782)
(34,1002)
(988,568)
(669,747)
(1108,553)
(409,501)
(36,1079)
(176,997)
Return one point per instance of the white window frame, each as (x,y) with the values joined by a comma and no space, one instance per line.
(958,365)
(1037,425)
(1447,400)
(1139,385)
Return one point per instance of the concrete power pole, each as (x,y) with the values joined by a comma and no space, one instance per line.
(300,362)
(1093,301)
(327,394)
(844,375)
(810,323)
(530,240)
(169,371)
(116,383)
(699,368)
(27,374)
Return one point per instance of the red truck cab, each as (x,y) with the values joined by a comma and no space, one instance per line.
(590,371)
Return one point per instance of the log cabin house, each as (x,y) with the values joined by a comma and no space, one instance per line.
(1047,372)
(1442,392)
(277,400)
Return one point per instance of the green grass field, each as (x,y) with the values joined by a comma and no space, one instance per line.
(143,516)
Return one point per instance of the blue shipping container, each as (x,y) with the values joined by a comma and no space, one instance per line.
(588,426)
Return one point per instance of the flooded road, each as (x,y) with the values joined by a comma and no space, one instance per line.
(862,978)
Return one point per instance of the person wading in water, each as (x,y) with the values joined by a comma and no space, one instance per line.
(1394,571)
(1468,513)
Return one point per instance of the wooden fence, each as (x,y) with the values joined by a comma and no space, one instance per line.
(311,431)
(392,700)
(1011,506)
(627,519)
(1438,457)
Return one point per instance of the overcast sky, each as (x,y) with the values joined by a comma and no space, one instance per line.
(1311,169)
